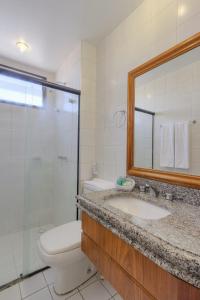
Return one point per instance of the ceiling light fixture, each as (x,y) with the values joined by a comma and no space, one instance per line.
(22,46)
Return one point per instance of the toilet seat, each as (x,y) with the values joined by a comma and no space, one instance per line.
(61,239)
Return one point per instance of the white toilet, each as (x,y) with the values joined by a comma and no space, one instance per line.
(60,249)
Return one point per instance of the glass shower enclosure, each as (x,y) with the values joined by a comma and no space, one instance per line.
(144,138)
(39,141)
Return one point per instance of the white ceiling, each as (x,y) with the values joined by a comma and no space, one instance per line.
(54,27)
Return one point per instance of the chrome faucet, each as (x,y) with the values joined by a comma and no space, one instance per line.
(142,188)
(152,190)
(169,196)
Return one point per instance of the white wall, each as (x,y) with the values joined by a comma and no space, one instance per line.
(69,73)
(152,28)
(87,110)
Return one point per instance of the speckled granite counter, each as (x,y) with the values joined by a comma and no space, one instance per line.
(172,242)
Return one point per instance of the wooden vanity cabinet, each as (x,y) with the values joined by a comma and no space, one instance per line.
(134,276)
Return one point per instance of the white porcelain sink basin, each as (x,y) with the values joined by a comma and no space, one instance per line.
(138,208)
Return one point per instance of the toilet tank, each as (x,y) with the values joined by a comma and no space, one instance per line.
(97,184)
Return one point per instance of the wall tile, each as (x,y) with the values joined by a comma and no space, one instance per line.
(187,9)
(188,28)
(151,29)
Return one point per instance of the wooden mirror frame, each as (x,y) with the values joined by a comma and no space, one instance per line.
(170,177)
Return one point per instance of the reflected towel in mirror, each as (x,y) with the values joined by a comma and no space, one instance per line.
(182,145)
(167,145)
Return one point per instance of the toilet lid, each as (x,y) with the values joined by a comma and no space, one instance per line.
(62,238)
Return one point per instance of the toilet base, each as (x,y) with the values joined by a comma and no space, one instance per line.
(66,280)
(70,266)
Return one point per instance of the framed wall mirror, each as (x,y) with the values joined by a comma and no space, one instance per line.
(164,116)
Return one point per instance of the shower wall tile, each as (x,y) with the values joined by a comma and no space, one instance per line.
(88,110)
(69,71)
(5,145)
(87,137)
(87,120)
(87,155)
(187,10)
(83,56)
(189,27)
(64,186)
(11,213)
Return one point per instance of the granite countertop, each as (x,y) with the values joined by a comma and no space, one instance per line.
(172,242)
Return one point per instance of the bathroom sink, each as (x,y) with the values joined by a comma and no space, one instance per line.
(138,208)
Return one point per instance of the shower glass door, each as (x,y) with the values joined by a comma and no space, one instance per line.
(51,170)
(143,147)
(39,168)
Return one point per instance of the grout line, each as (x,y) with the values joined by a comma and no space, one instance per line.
(76,291)
(101,281)
(50,292)
(19,290)
(35,292)
(48,285)
(81,295)
(98,280)
(45,278)
(89,283)
(113,296)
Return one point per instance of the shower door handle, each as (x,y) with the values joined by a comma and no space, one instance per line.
(62,157)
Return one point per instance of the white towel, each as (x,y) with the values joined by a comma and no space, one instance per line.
(182,145)
(167,145)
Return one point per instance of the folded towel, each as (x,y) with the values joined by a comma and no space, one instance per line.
(182,145)
(167,145)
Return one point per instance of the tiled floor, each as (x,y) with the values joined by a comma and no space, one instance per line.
(21,258)
(40,287)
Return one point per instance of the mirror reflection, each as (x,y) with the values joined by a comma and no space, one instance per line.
(167,116)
